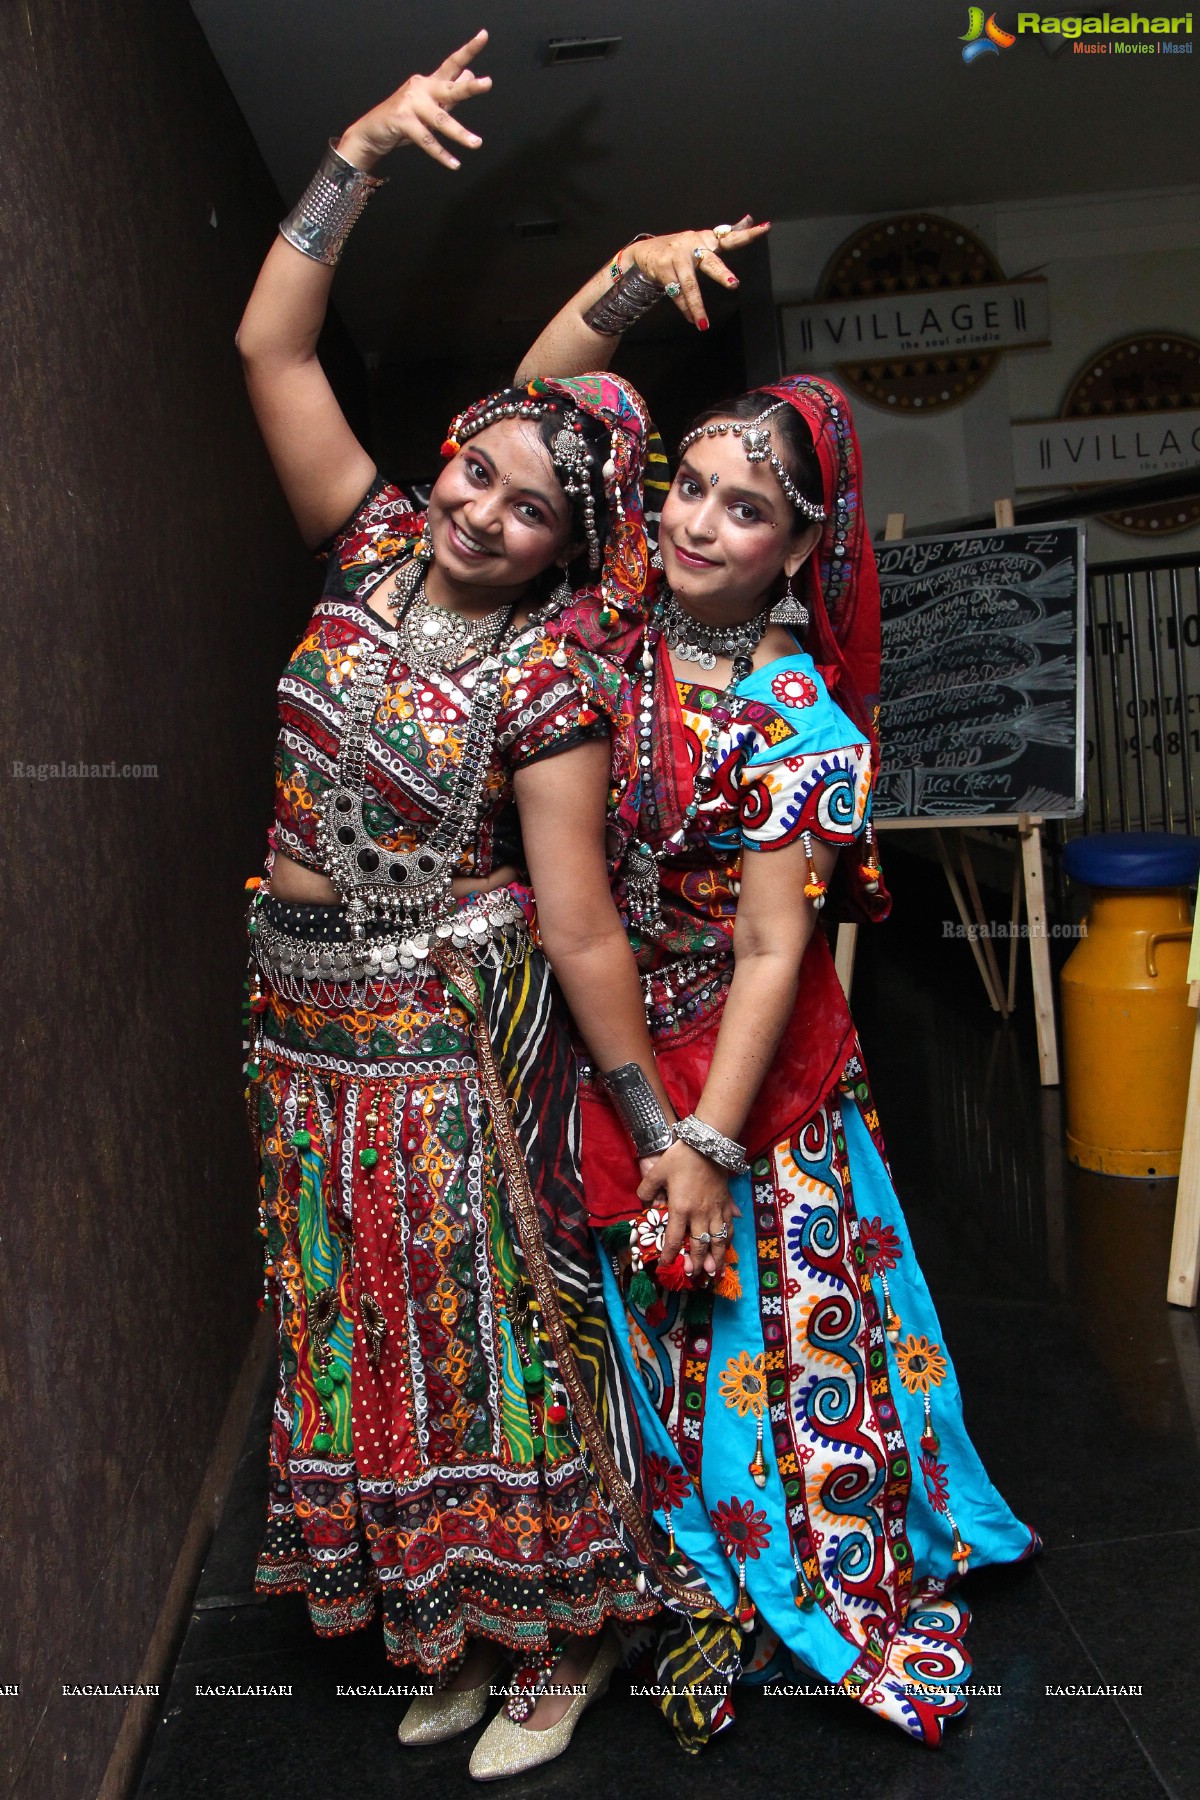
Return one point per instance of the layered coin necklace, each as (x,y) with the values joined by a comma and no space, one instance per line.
(694,642)
(409,891)
(691,641)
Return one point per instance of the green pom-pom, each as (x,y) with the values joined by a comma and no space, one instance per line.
(322,1442)
(338,1374)
(323,1386)
(674,1561)
(301,1139)
(368,1158)
(534,1372)
(642,1291)
(615,1237)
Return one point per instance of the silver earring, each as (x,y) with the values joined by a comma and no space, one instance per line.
(656,561)
(561,595)
(790,610)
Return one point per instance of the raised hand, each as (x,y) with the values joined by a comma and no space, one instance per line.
(675,261)
(419,113)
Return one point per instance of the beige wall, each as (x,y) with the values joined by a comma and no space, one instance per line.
(1116,265)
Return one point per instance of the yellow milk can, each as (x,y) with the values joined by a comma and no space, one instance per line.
(1127,1025)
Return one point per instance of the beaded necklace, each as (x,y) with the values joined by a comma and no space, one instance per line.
(408,889)
(694,642)
(643,879)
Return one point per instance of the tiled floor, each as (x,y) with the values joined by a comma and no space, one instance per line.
(1083,1394)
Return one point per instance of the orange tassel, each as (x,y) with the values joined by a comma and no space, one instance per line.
(728,1286)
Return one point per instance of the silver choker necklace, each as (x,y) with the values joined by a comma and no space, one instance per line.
(433,638)
(694,642)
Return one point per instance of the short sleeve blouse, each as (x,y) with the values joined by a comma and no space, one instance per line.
(806,767)
(419,730)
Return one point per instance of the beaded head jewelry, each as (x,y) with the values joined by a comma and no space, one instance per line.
(573,461)
(756,442)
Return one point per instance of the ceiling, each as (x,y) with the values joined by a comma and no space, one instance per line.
(786,108)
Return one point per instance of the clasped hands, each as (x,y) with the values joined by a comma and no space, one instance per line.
(695,1195)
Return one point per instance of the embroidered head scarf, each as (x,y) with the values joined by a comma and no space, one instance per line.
(841,591)
(842,581)
(591,627)
(621,567)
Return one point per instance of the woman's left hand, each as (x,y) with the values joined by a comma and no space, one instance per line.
(676,259)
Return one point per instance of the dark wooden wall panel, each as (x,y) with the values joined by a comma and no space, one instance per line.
(153,585)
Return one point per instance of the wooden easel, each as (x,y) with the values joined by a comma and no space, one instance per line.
(1028,874)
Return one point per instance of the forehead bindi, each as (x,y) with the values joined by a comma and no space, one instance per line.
(514,450)
(736,476)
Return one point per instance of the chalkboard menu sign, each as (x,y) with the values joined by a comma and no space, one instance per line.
(982,696)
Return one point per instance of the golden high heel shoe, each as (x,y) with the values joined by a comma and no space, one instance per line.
(507,1748)
(434,1717)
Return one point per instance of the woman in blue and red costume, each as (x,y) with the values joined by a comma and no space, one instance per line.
(454,1442)
(808,1446)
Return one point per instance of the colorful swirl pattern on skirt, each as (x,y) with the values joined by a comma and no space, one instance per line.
(827,1486)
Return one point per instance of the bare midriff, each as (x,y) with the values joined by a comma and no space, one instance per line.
(291,881)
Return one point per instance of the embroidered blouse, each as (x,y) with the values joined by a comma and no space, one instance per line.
(789,761)
(418,734)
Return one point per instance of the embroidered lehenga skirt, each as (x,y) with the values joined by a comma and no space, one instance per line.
(443,1447)
(812,1455)
(806,1431)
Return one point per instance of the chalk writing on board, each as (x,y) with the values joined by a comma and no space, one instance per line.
(981,682)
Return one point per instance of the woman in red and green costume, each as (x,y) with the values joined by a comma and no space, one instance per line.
(454,1444)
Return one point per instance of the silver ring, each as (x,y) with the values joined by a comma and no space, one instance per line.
(719,1237)
(672,290)
(701,1237)
(699,254)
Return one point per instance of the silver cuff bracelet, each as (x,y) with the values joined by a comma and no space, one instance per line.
(322,219)
(711,1143)
(638,1106)
(628,299)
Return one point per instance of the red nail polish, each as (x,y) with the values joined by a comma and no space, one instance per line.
(701,324)
(734,282)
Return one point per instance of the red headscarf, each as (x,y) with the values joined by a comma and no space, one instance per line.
(842,595)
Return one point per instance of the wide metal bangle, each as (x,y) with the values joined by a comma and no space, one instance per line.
(711,1143)
(322,219)
(639,1109)
(627,300)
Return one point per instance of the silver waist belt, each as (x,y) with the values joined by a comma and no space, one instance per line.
(494,923)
